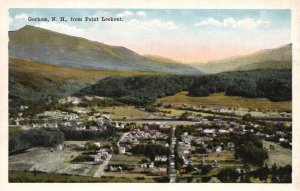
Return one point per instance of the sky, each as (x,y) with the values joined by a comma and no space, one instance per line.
(186,35)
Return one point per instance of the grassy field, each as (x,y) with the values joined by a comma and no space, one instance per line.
(126,160)
(17,176)
(219,156)
(225,158)
(68,143)
(281,156)
(219,99)
(129,112)
(137,173)
(177,112)
(13,130)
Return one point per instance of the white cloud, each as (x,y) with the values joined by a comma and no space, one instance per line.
(167,25)
(125,14)
(133,22)
(61,27)
(10,20)
(141,13)
(22,16)
(130,14)
(209,21)
(246,23)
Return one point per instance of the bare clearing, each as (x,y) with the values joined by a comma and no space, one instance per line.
(279,155)
(42,159)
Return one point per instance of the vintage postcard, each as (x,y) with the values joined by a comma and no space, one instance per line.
(110,94)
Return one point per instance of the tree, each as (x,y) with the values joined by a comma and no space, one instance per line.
(247,117)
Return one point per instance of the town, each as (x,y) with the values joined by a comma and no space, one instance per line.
(197,144)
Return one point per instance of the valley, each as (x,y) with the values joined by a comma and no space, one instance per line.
(84,111)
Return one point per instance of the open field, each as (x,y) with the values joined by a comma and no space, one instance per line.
(219,99)
(219,156)
(39,165)
(281,156)
(129,112)
(77,143)
(177,112)
(42,159)
(126,160)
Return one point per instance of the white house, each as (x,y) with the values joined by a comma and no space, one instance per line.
(209,131)
(218,149)
(122,150)
(97,144)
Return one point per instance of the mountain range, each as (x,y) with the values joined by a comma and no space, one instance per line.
(41,45)
(277,58)
(45,46)
(47,64)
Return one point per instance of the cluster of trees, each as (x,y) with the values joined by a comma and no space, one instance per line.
(230,175)
(252,153)
(150,150)
(185,115)
(83,158)
(248,147)
(273,128)
(142,90)
(265,174)
(190,129)
(35,137)
(151,108)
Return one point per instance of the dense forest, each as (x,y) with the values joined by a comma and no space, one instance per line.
(35,137)
(273,84)
(142,90)
(46,137)
(139,90)
(150,150)
(72,134)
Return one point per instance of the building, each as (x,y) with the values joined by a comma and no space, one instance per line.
(121,150)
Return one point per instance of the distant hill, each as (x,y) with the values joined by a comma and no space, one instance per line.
(176,66)
(41,45)
(277,58)
(34,81)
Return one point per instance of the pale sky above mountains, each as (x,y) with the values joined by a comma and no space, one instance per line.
(185,35)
